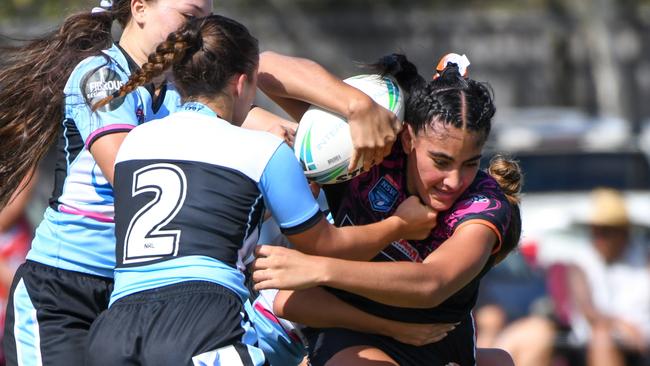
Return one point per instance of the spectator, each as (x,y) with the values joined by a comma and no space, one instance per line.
(610,287)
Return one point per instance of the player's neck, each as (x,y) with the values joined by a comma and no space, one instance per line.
(221,105)
(132,45)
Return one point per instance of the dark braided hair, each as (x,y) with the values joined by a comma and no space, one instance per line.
(452,100)
(203,55)
(32,78)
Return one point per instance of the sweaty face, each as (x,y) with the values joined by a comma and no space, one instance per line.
(442,163)
(165,16)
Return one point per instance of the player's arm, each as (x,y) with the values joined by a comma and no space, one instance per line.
(263,120)
(289,198)
(416,285)
(373,128)
(104,151)
(318,308)
(104,129)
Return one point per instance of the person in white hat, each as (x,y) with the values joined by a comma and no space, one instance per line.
(611,287)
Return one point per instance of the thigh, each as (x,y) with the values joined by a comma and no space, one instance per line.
(49,314)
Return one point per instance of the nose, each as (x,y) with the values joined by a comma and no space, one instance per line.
(453,180)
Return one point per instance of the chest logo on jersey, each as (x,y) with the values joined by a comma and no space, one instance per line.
(100,83)
(383,195)
(407,249)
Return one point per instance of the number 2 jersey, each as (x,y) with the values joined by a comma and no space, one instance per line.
(190,193)
(375,195)
(77,231)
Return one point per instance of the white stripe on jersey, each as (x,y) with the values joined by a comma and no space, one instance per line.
(190,136)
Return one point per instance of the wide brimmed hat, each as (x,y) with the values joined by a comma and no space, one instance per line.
(608,208)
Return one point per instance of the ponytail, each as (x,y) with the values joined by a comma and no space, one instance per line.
(508,175)
(31,91)
(398,66)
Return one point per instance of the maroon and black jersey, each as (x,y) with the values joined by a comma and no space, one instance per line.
(375,195)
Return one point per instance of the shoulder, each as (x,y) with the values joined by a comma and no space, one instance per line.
(98,76)
(482,200)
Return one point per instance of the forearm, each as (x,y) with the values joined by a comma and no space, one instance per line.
(303,79)
(403,284)
(318,308)
(360,243)
(581,291)
(263,120)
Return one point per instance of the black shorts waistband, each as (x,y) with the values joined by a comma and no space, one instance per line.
(33,265)
(178,290)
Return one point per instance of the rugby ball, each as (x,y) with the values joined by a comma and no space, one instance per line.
(323,144)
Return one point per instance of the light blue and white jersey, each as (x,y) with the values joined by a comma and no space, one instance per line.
(77,232)
(190,192)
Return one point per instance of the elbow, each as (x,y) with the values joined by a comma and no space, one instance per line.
(279,304)
(429,295)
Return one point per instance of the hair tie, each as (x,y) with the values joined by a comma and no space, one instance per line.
(454,58)
(104,5)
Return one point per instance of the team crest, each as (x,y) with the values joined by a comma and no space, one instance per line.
(383,195)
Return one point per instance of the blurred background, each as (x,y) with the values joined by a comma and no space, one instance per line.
(572,85)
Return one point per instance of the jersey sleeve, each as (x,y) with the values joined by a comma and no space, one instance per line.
(90,82)
(492,211)
(287,194)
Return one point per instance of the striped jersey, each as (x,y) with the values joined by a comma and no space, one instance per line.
(77,232)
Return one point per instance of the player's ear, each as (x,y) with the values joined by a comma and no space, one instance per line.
(241,81)
(408,137)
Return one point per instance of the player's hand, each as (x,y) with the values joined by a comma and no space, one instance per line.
(285,131)
(282,268)
(418,334)
(374,129)
(418,218)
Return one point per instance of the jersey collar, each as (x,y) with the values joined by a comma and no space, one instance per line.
(199,108)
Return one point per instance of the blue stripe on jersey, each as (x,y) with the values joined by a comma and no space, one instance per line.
(190,268)
(74,243)
(287,192)
(28,342)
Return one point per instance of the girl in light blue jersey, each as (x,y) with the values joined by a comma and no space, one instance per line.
(47,87)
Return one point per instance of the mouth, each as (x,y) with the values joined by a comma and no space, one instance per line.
(443,197)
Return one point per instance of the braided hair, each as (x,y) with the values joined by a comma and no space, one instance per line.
(452,100)
(203,55)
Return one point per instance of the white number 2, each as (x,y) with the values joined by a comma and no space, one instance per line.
(144,239)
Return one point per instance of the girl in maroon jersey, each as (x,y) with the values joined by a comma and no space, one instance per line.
(435,280)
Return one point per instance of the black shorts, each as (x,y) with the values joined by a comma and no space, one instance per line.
(175,325)
(49,314)
(458,346)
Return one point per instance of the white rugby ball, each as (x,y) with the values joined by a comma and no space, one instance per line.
(323,143)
